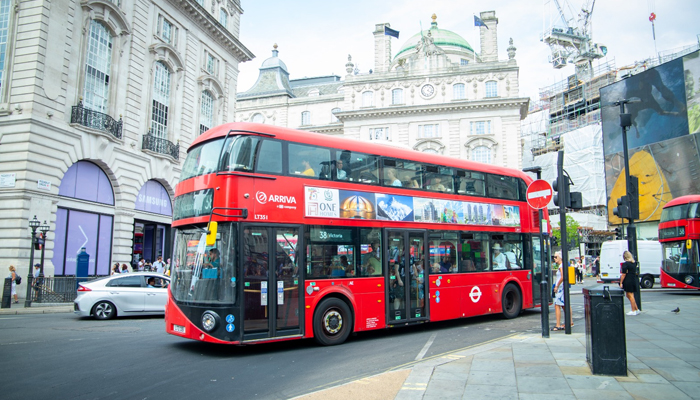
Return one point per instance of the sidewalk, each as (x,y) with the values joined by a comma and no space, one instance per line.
(36,308)
(663,360)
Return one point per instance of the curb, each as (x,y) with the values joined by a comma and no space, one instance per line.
(37,310)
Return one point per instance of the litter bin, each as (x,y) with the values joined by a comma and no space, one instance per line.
(606,345)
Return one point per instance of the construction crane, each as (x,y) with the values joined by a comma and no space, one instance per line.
(572,43)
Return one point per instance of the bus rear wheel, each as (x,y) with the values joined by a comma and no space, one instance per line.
(512,301)
(332,322)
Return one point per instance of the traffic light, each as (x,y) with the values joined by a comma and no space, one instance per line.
(633,196)
(38,241)
(622,210)
(618,233)
(573,200)
(562,198)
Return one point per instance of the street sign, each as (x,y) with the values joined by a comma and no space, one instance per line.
(539,194)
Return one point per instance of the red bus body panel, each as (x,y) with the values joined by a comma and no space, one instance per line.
(281,199)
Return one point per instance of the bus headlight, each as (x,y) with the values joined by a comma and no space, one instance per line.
(210,320)
(688,280)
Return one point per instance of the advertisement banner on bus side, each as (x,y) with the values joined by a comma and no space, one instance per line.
(336,203)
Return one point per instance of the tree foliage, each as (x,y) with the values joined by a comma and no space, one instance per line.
(572,227)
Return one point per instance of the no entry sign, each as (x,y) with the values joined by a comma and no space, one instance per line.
(539,194)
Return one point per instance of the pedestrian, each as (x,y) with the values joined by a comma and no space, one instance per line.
(629,280)
(167,267)
(141,264)
(13,275)
(596,265)
(581,269)
(125,269)
(115,269)
(36,284)
(159,265)
(559,303)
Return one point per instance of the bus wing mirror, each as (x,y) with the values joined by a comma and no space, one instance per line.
(211,233)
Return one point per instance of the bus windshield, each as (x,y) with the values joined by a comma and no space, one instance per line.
(202,160)
(201,273)
(677,259)
(674,213)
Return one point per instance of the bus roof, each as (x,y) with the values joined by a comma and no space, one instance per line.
(693,198)
(294,135)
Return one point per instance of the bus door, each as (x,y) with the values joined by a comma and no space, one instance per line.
(406,276)
(271,284)
(537,254)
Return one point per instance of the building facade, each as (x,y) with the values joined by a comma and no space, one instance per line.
(98,102)
(435,94)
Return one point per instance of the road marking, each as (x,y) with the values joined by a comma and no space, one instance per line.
(539,193)
(426,347)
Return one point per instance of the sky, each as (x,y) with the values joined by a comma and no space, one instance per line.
(314,37)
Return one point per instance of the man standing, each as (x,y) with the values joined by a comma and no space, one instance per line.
(159,265)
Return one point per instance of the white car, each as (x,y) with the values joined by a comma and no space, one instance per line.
(139,293)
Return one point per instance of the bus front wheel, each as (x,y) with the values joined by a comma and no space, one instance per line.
(512,301)
(332,322)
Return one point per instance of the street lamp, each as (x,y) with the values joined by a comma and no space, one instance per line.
(34,224)
(44,228)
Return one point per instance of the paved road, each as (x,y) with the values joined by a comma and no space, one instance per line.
(48,354)
(60,355)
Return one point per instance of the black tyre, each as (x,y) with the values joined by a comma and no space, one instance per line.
(647,282)
(332,322)
(512,301)
(104,310)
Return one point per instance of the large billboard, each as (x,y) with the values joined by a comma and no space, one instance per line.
(663,140)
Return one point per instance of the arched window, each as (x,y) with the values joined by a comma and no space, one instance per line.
(397,96)
(98,63)
(491,89)
(161,101)
(368,99)
(458,92)
(206,112)
(333,117)
(223,17)
(481,154)
(306,118)
(258,118)
(430,151)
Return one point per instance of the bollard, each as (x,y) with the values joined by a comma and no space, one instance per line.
(7,293)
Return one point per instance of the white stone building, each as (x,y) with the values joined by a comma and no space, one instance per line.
(98,102)
(434,95)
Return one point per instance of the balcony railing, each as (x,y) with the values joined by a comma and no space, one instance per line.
(162,146)
(96,120)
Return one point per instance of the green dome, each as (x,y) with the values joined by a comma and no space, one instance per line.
(441,37)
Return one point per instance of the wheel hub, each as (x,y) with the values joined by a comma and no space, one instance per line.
(333,322)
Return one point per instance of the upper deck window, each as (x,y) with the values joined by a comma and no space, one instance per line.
(504,187)
(311,161)
(674,213)
(202,160)
(471,183)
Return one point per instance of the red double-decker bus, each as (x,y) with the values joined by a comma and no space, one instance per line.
(679,231)
(282,234)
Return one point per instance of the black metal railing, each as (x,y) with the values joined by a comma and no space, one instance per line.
(54,289)
(162,146)
(96,120)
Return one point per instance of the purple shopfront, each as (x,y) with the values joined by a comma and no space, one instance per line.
(151,234)
(76,227)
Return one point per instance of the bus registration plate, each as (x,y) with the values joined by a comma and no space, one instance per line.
(178,328)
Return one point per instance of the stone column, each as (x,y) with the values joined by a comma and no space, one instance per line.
(382,48)
(489,36)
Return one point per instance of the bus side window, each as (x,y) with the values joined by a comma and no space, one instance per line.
(270,157)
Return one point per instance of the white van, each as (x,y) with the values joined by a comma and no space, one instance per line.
(650,260)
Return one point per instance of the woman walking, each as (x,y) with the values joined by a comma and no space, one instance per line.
(629,280)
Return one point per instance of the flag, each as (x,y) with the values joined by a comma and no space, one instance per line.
(479,22)
(391,32)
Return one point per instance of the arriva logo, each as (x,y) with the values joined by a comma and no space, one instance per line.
(263,198)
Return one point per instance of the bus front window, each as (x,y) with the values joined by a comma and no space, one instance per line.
(678,260)
(201,273)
